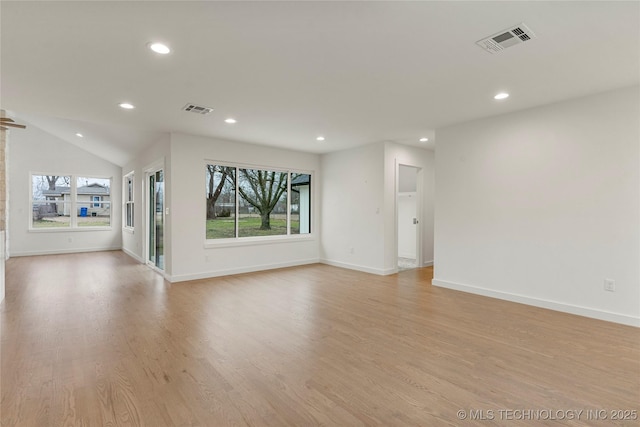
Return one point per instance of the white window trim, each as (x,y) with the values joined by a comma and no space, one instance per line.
(73,218)
(263,240)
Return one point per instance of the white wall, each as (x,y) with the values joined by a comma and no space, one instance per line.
(190,258)
(395,155)
(133,241)
(33,150)
(358,213)
(542,205)
(352,210)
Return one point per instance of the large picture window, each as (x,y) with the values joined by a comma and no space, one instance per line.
(67,201)
(252,202)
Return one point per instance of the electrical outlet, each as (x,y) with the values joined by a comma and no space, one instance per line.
(351,250)
(609,285)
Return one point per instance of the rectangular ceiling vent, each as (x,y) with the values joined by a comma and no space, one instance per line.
(507,38)
(192,108)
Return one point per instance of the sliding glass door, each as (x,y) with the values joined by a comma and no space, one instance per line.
(155,227)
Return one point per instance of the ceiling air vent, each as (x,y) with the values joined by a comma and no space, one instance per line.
(507,38)
(193,108)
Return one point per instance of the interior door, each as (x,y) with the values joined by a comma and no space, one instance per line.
(407,225)
(408,230)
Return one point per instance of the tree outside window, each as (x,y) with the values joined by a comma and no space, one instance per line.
(243,202)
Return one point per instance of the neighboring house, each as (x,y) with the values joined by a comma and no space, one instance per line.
(301,184)
(90,201)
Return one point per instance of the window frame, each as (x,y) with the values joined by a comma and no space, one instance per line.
(258,240)
(73,204)
(126,202)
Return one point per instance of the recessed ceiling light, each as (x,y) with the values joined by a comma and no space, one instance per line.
(79,135)
(320,138)
(126,106)
(501,95)
(160,48)
(230,120)
(424,139)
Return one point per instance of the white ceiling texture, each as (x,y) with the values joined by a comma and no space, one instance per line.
(354,72)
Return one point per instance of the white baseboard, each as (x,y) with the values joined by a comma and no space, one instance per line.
(378,271)
(133,255)
(63,251)
(228,272)
(536,302)
(427,263)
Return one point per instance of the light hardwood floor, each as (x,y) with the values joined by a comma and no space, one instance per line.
(98,340)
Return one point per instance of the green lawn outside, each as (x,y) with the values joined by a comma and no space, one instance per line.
(93,224)
(64,222)
(43,223)
(224,228)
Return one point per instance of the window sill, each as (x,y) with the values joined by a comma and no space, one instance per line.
(68,229)
(254,241)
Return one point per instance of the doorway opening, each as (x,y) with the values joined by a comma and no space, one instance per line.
(408,202)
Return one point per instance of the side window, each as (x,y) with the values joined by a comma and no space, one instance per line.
(300,203)
(221,202)
(128,183)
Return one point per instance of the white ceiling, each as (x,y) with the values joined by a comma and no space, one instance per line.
(355,72)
